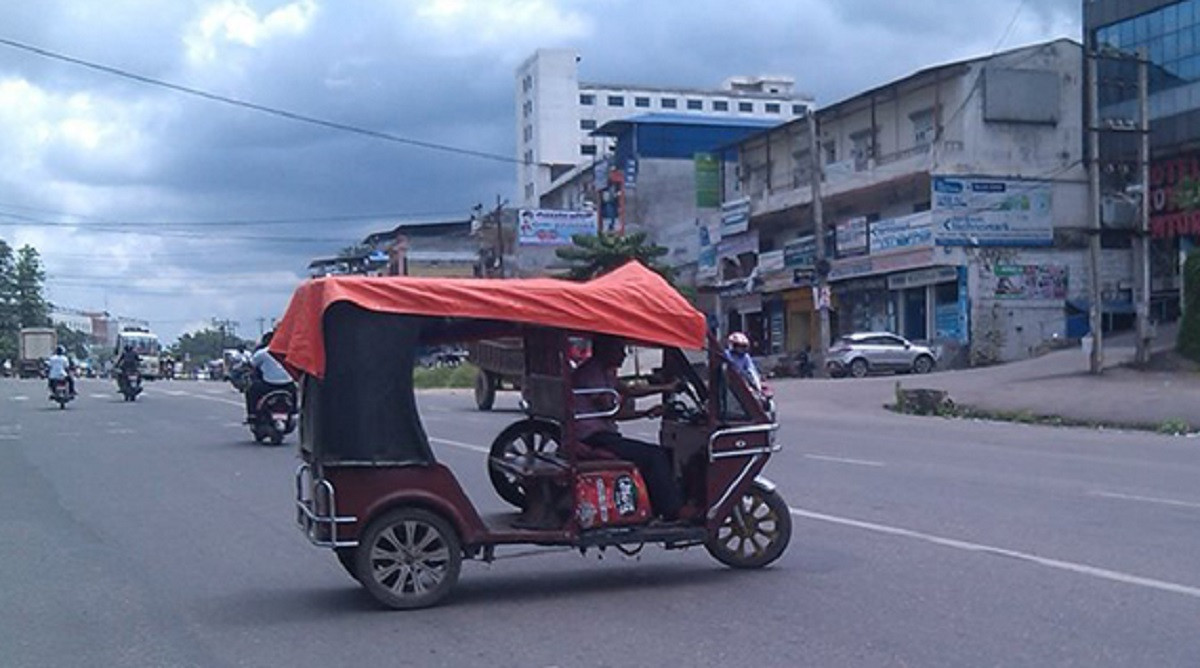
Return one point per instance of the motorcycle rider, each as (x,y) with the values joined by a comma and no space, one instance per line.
(59,367)
(738,352)
(128,362)
(268,375)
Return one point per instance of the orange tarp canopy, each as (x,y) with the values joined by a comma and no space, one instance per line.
(631,302)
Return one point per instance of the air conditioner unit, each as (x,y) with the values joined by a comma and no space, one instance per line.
(1117,212)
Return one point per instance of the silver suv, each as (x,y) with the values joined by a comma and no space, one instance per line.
(870,352)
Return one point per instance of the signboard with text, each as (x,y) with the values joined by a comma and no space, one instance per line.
(991,212)
(903,233)
(735,217)
(548,227)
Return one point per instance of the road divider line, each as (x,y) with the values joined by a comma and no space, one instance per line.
(206,398)
(19,397)
(1146,499)
(844,460)
(459,444)
(1082,569)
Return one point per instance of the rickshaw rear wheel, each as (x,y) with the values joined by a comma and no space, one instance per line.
(755,533)
(408,558)
(526,436)
(485,390)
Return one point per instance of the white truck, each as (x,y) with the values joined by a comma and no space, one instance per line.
(36,345)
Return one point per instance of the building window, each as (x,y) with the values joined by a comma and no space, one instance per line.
(587,99)
(527,108)
(587,149)
(923,130)
(587,124)
(695,105)
(798,109)
(720,105)
(527,83)
(830,150)
(668,103)
(746,106)
(641,102)
(616,101)
(528,132)
(772,107)
(528,157)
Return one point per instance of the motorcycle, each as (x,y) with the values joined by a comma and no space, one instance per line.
(274,416)
(130,384)
(60,391)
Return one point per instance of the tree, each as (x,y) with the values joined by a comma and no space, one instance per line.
(595,255)
(1188,341)
(205,344)
(8,303)
(30,278)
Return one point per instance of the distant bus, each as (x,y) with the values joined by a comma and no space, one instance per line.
(145,344)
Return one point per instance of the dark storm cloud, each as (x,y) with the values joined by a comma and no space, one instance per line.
(438,71)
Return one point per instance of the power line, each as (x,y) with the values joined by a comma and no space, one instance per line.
(273,111)
(408,216)
(1007,30)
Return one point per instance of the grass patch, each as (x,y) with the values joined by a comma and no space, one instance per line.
(425,378)
(1174,427)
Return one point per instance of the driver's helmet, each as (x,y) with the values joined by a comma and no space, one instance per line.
(739,342)
(60,350)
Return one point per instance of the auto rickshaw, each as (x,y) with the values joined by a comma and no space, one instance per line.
(371,488)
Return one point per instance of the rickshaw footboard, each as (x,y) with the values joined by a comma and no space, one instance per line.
(671,537)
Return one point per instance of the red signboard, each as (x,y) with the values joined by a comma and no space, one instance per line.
(1174,185)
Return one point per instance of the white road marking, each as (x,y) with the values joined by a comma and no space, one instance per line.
(1082,569)
(844,460)
(459,444)
(175,393)
(207,398)
(100,396)
(1146,499)
(121,431)
(19,397)
(10,437)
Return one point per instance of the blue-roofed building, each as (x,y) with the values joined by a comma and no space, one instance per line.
(667,175)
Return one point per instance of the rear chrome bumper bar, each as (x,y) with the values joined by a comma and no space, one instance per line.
(316,510)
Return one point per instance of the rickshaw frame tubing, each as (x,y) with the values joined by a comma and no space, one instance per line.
(741,452)
(307,495)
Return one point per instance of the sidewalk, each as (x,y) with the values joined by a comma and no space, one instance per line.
(1055,384)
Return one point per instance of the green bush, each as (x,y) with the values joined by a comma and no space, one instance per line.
(462,375)
(1188,343)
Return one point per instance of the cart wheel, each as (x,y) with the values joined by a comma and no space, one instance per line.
(522,437)
(755,533)
(408,558)
(345,557)
(485,390)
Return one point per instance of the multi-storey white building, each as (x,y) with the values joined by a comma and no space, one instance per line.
(556,113)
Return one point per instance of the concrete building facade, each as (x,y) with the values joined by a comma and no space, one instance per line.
(955,205)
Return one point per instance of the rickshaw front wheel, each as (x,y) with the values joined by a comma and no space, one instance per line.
(408,558)
(755,533)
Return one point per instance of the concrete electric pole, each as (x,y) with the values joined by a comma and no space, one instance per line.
(1142,248)
(821,295)
(1095,317)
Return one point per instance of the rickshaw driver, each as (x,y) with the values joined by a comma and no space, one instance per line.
(600,372)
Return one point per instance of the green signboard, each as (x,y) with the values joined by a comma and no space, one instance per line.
(708,181)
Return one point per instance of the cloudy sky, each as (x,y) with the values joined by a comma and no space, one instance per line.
(154,203)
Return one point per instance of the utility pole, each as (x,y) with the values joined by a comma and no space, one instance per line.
(498,218)
(1142,247)
(1096,359)
(820,264)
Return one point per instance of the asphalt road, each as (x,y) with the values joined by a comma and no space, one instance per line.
(159,534)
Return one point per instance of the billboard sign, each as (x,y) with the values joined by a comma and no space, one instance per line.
(991,212)
(900,234)
(549,227)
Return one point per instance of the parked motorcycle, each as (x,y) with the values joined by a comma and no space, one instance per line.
(274,416)
(60,391)
(129,383)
